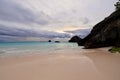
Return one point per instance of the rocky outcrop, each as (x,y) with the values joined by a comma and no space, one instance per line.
(49,41)
(57,41)
(106,33)
(75,39)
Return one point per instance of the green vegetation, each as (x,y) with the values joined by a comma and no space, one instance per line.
(115,49)
(117,5)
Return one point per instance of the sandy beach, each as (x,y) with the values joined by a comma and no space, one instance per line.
(97,64)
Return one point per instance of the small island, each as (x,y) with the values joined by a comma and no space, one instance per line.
(57,41)
(49,41)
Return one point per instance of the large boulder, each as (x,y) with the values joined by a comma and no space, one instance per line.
(75,39)
(106,33)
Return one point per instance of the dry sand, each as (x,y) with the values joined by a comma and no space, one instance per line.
(90,65)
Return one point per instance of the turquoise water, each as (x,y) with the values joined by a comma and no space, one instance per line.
(21,48)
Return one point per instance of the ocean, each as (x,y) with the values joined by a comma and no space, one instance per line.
(23,48)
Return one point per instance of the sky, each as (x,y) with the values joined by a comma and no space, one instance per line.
(41,20)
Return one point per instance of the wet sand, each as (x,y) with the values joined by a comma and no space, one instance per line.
(97,64)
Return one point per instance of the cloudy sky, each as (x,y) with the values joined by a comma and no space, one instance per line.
(50,19)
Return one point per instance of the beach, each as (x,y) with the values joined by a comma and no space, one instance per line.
(93,64)
(59,39)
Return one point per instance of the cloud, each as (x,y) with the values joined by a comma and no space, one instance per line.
(85,20)
(8,33)
(45,18)
(80,32)
(13,12)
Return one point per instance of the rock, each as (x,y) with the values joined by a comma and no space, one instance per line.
(57,41)
(49,41)
(75,39)
(106,33)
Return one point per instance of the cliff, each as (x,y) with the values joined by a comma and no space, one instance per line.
(106,33)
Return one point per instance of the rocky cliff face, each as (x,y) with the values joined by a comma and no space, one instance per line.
(105,33)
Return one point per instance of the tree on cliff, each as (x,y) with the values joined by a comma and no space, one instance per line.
(117,5)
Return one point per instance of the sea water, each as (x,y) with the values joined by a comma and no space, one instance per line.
(22,48)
